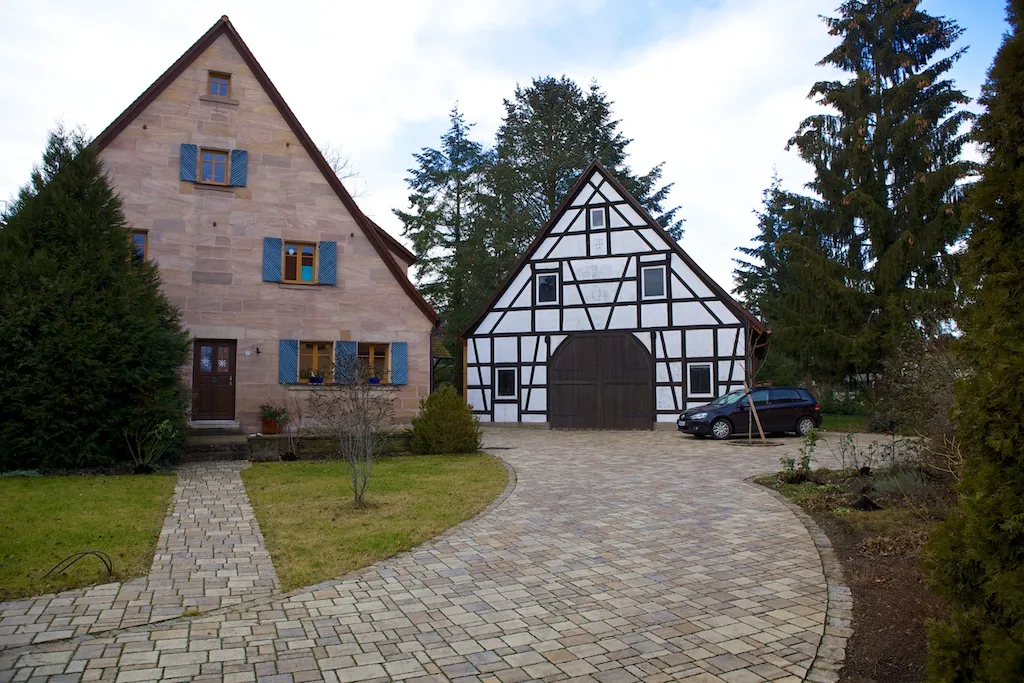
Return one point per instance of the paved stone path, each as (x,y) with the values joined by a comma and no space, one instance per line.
(618,557)
(210,554)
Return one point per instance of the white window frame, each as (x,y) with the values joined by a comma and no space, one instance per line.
(515,383)
(536,287)
(643,282)
(711,375)
(604,218)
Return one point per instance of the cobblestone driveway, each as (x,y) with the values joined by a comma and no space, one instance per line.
(618,557)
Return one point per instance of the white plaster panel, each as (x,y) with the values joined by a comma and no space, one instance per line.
(546,319)
(689,277)
(580,224)
(631,216)
(556,339)
(609,192)
(627,292)
(583,196)
(598,244)
(599,268)
(527,348)
(599,314)
(662,372)
(544,250)
(538,399)
(570,245)
(655,239)
(476,399)
(737,371)
(535,418)
(540,374)
(571,295)
(723,389)
(740,346)
(505,350)
(673,343)
(679,290)
(699,343)
(487,324)
(596,179)
(725,341)
(652,257)
(686,313)
(653,315)
(628,242)
(664,398)
(615,220)
(575,319)
(483,375)
(722,311)
(680,393)
(695,404)
(484,417)
(519,282)
(547,265)
(623,318)
(723,370)
(645,339)
(567,218)
(675,370)
(631,268)
(506,412)
(471,350)
(598,292)
(514,321)
(667,417)
(525,298)
(483,349)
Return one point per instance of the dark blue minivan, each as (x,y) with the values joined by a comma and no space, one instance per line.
(780,409)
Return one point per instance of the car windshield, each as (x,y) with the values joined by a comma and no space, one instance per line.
(728,399)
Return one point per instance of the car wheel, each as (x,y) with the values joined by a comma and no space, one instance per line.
(804,426)
(721,429)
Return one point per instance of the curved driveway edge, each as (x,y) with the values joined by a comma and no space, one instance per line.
(617,557)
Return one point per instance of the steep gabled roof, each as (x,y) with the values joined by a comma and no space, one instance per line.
(378,238)
(597,166)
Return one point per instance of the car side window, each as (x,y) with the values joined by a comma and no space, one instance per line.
(760,397)
(785,396)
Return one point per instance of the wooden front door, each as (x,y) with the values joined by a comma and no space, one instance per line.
(601,381)
(213,379)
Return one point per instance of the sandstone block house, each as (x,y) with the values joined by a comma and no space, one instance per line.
(606,323)
(277,272)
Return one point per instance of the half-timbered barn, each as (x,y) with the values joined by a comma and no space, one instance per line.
(605,323)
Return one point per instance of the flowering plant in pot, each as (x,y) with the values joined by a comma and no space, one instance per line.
(374,379)
(273,418)
(314,376)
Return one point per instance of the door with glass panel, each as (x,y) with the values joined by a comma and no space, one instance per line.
(213,379)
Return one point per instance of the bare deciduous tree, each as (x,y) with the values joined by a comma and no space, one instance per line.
(297,411)
(357,417)
(341,164)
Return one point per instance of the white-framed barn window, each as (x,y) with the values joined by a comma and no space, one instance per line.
(597,221)
(698,377)
(652,282)
(505,385)
(547,288)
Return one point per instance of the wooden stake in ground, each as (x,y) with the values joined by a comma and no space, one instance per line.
(753,411)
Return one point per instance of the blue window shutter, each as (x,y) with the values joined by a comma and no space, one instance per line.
(272,259)
(189,157)
(239,167)
(399,362)
(345,360)
(328,264)
(288,361)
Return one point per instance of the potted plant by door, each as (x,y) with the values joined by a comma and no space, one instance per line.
(272,417)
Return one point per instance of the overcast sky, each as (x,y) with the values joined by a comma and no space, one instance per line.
(712,88)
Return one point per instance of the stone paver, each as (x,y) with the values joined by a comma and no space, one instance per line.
(210,555)
(618,557)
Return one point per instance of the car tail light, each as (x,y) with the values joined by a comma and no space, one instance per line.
(817,406)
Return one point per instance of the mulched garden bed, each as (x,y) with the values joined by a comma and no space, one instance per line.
(880,551)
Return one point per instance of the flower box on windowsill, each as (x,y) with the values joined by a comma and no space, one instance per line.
(375,380)
(316,380)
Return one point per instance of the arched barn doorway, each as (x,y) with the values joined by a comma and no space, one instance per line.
(601,381)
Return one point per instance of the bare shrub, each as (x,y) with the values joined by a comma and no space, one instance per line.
(916,392)
(357,418)
(297,412)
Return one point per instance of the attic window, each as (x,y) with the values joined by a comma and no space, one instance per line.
(596,219)
(219,84)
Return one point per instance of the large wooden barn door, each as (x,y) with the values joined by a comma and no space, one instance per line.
(601,381)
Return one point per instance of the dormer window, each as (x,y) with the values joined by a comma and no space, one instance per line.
(219,84)
(213,166)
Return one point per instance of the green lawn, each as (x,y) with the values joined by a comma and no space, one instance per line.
(45,519)
(315,533)
(844,423)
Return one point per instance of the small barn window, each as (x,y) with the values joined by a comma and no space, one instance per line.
(219,84)
(654,282)
(547,288)
(700,379)
(506,380)
(596,219)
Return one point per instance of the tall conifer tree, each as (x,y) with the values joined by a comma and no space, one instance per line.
(873,254)
(976,560)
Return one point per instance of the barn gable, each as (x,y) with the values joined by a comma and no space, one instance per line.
(602,266)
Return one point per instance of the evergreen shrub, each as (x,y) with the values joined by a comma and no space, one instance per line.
(445,425)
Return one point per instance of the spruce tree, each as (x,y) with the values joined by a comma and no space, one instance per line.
(976,558)
(551,132)
(444,203)
(877,236)
(89,345)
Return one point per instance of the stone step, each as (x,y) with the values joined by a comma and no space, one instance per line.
(215,431)
(206,447)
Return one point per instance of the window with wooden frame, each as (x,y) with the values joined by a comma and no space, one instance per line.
(505,382)
(373,361)
(140,244)
(597,219)
(547,288)
(219,84)
(699,376)
(213,166)
(653,282)
(316,360)
(300,263)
